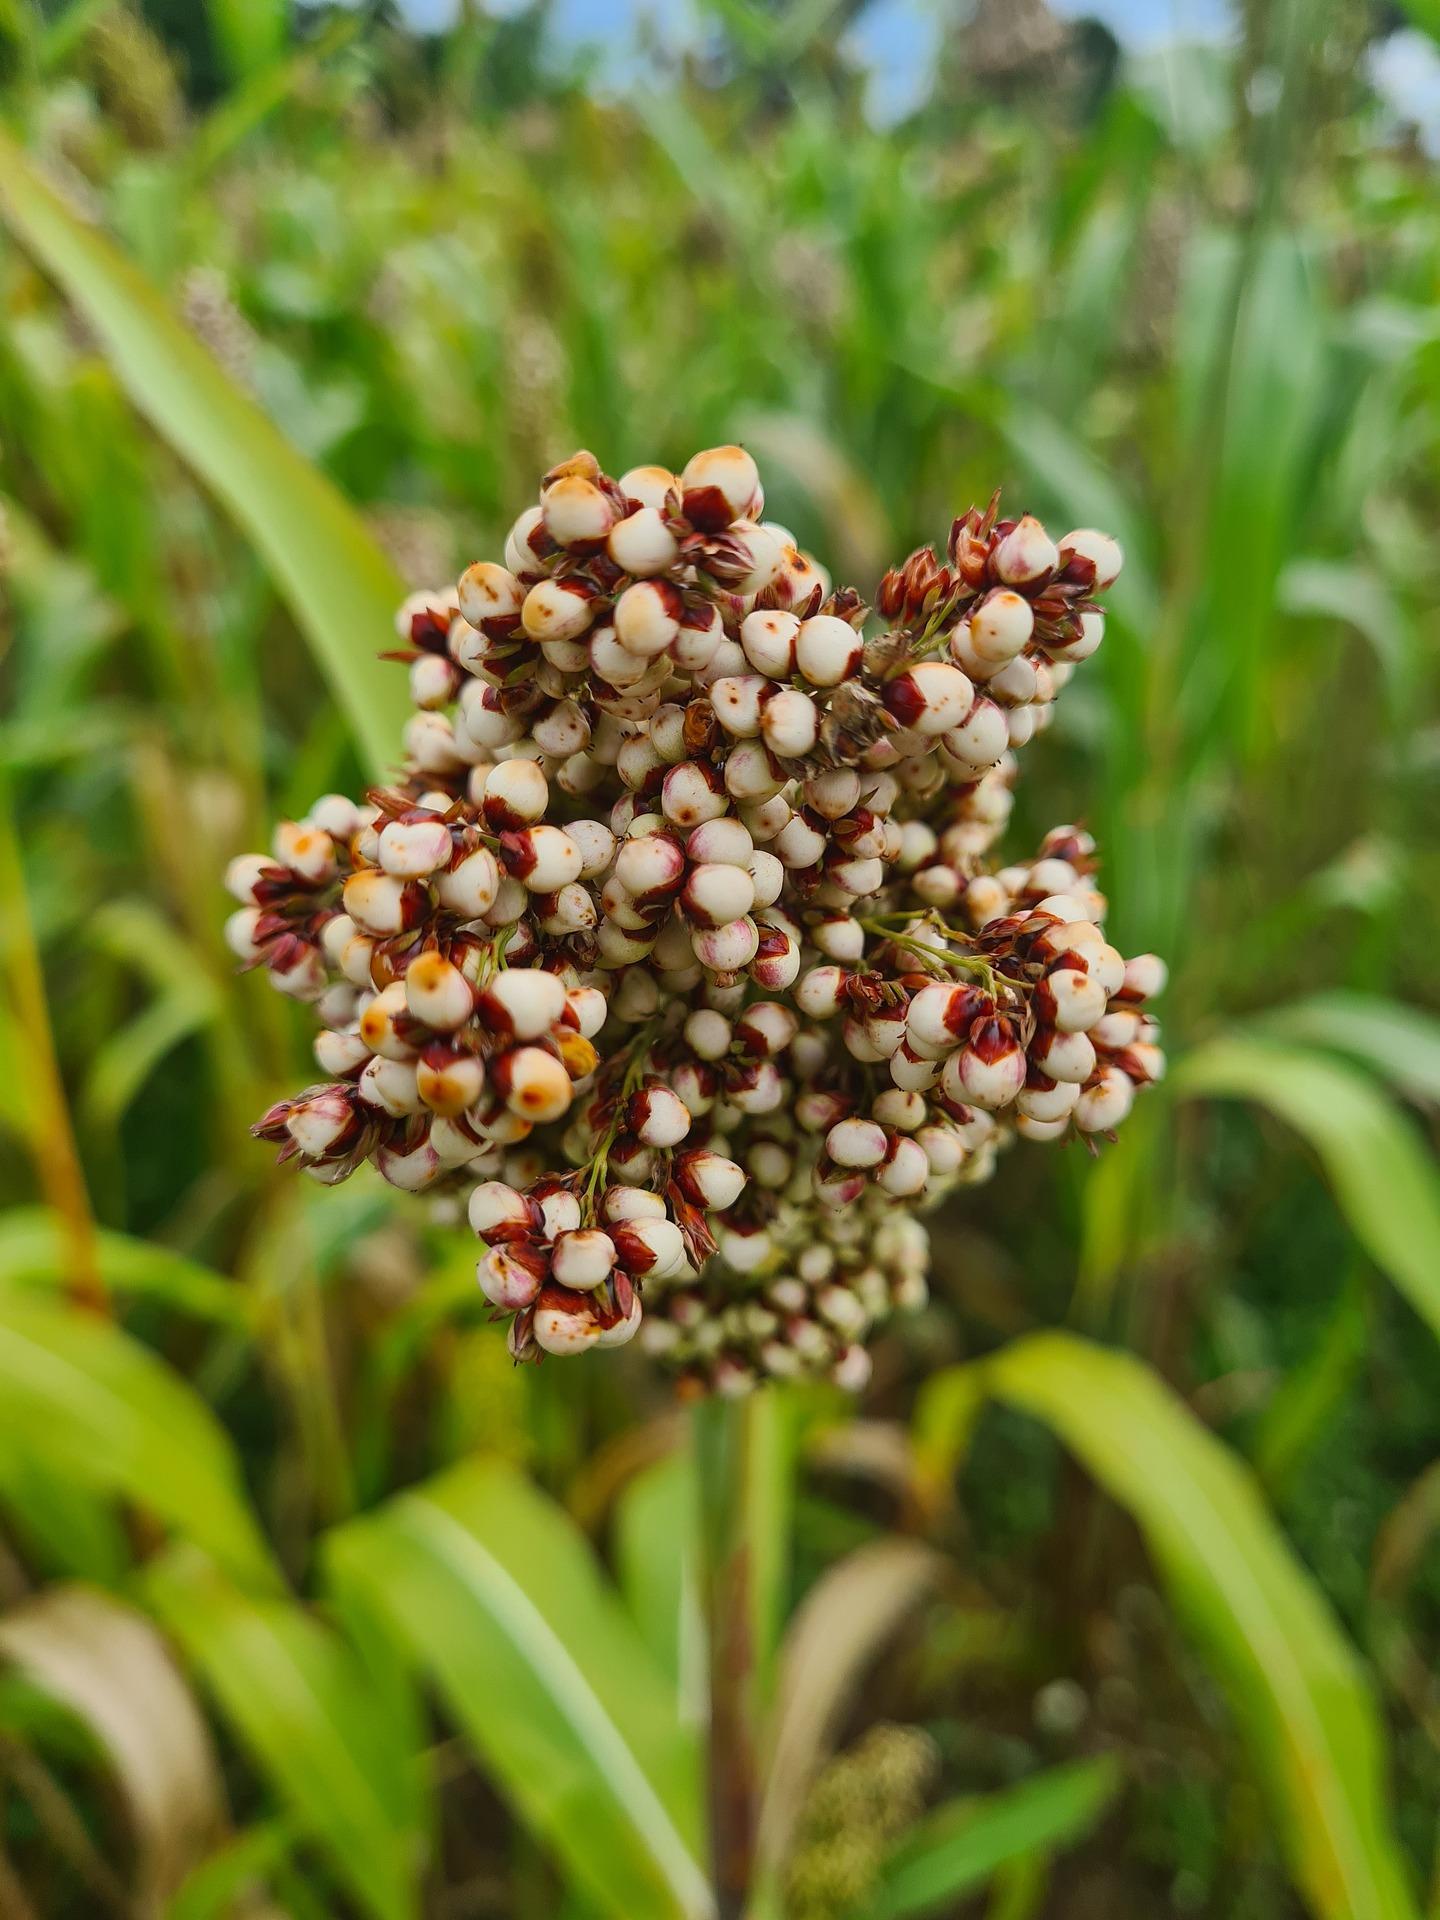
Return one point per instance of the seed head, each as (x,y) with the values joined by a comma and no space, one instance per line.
(680,942)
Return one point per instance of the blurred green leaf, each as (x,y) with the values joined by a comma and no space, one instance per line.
(185,999)
(84,1398)
(60,1525)
(250,33)
(1331,590)
(1384,1181)
(67,30)
(265,86)
(15,1115)
(1187,88)
(1409,1527)
(857,528)
(67,624)
(230,1874)
(1425,14)
(775,37)
(1400,1043)
(297,1699)
(960,1847)
(32,1253)
(773,1423)
(340,587)
(656,1533)
(946,1413)
(1020,1887)
(1072,478)
(685,142)
(499,1603)
(1304,1405)
(126,1058)
(1294,1682)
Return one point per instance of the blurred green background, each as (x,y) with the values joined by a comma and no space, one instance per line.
(1137,1642)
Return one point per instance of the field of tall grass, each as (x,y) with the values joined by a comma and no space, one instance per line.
(1118,1590)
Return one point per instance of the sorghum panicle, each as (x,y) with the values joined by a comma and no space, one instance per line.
(680,942)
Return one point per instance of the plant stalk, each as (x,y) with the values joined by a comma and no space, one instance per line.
(726,1589)
(743,1473)
(52,1137)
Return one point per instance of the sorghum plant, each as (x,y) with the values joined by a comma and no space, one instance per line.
(679,944)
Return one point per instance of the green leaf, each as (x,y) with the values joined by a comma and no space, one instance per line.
(1405,1534)
(218,1887)
(1384,1181)
(656,1537)
(266,88)
(1020,1888)
(33,1253)
(946,1412)
(61,1526)
(250,33)
(959,1847)
(65,33)
(126,1058)
(1293,1679)
(16,1118)
(1329,589)
(185,998)
(1425,14)
(298,1700)
(1088,495)
(84,1399)
(773,1423)
(1400,1043)
(497,1598)
(858,535)
(339,585)
(1303,1408)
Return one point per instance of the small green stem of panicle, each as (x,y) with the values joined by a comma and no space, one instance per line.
(637,1064)
(971,963)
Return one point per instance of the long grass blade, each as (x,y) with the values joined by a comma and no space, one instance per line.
(656,1532)
(1293,1680)
(962,1846)
(87,1400)
(32,1254)
(339,585)
(1384,1181)
(296,1696)
(1401,1044)
(497,1601)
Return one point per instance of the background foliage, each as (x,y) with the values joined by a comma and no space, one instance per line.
(311,1604)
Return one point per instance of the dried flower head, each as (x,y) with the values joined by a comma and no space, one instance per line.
(680,942)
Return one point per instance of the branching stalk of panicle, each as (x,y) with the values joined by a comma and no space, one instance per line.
(680,943)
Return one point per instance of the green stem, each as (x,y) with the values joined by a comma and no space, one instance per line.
(637,1064)
(946,961)
(743,1451)
(726,1588)
(52,1136)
